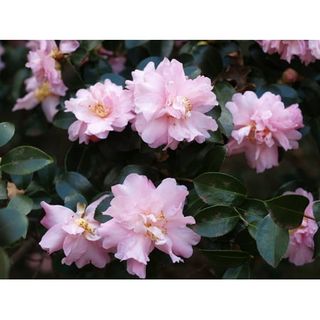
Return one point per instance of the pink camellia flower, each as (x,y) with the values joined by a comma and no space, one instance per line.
(44,57)
(287,49)
(261,126)
(147,217)
(1,53)
(47,93)
(75,233)
(46,85)
(102,108)
(301,245)
(169,106)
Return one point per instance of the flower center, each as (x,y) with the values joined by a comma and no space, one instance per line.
(255,134)
(187,104)
(84,224)
(155,228)
(100,110)
(43,91)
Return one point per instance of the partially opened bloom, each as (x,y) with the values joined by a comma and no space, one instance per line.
(261,126)
(301,245)
(47,93)
(169,106)
(101,108)
(75,233)
(147,217)
(46,85)
(287,49)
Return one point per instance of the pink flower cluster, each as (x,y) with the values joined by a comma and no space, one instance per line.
(144,217)
(307,50)
(163,104)
(301,245)
(45,86)
(261,126)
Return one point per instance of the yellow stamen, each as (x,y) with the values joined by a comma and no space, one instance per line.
(187,104)
(43,91)
(100,110)
(85,225)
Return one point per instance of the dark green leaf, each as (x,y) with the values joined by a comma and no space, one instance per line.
(6,132)
(241,272)
(156,60)
(217,188)
(134,43)
(115,78)
(227,258)
(216,221)
(316,210)
(24,160)
(272,241)
(288,210)
(21,203)
(4,264)
(3,190)
(13,226)
(64,120)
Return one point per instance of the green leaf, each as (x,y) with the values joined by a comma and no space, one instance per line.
(217,188)
(316,210)
(254,211)
(4,264)
(241,272)
(316,240)
(13,226)
(272,241)
(192,72)
(64,120)
(155,59)
(224,92)
(21,203)
(227,258)
(129,44)
(73,187)
(24,160)
(216,221)
(102,207)
(288,210)
(3,190)
(162,48)
(115,78)
(194,204)
(6,132)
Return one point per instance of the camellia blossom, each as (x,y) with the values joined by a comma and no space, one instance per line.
(307,50)
(101,108)
(169,106)
(261,126)
(75,233)
(147,217)
(301,245)
(46,85)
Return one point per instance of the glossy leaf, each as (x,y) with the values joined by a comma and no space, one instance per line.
(63,120)
(21,203)
(272,241)
(6,132)
(24,160)
(288,210)
(217,188)
(216,221)
(13,226)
